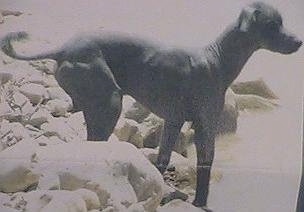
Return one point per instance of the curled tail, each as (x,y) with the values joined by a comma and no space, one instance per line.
(7,48)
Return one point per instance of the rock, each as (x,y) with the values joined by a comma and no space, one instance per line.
(90,198)
(179,206)
(119,180)
(5,76)
(126,130)
(36,77)
(54,127)
(171,194)
(182,173)
(10,12)
(16,171)
(6,112)
(77,122)
(45,141)
(16,107)
(4,208)
(229,115)
(34,132)
(39,117)
(19,99)
(80,200)
(58,93)
(255,87)
(255,103)
(47,66)
(35,92)
(22,103)
(137,112)
(12,133)
(184,139)
(151,130)
(50,81)
(58,107)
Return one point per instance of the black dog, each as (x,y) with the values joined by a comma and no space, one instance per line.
(177,85)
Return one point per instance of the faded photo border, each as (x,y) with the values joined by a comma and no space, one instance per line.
(259,167)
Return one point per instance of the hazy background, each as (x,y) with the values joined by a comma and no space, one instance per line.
(261,166)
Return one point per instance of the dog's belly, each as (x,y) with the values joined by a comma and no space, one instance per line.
(164,97)
(172,108)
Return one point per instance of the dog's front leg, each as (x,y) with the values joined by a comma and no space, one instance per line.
(204,142)
(169,138)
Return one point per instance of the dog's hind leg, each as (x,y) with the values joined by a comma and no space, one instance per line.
(101,117)
(169,138)
(93,90)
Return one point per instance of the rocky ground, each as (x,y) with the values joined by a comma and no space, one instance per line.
(47,165)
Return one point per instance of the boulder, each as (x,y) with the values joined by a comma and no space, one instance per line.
(120,179)
(76,121)
(181,172)
(255,103)
(12,133)
(58,107)
(42,115)
(55,126)
(50,81)
(5,76)
(81,200)
(137,112)
(127,130)
(58,93)
(46,66)
(229,115)
(35,92)
(255,87)
(179,206)
(151,130)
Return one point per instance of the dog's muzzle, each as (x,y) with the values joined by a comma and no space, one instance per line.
(288,43)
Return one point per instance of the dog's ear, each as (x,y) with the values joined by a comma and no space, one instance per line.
(249,15)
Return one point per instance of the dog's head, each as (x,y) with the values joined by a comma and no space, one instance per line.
(264,23)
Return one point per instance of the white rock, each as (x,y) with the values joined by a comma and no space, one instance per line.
(35,92)
(12,133)
(184,170)
(90,198)
(4,198)
(60,128)
(7,209)
(151,130)
(58,107)
(5,76)
(39,117)
(120,179)
(50,201)
(6,112)
(136,112)
(36,77)
(255,103)
(47,66)
(50,81)
(125,129)
(58,93)
(77,122)
(20,99)
(179,206)
(16,171)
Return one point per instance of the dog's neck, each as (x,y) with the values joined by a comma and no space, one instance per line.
(229,53)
